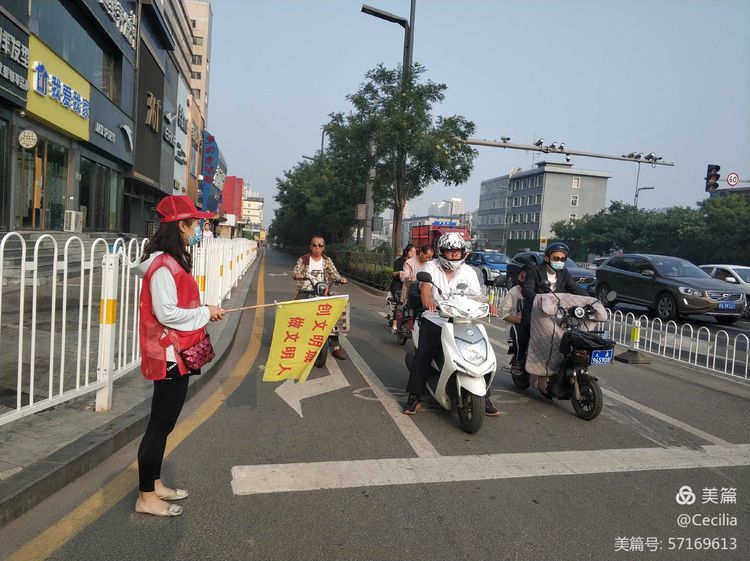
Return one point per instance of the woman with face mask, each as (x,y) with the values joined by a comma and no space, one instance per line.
(171,320)
(551,276)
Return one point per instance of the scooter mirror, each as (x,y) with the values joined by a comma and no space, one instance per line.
(424,277)
(611,296)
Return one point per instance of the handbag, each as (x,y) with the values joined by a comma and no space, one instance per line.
(199,354)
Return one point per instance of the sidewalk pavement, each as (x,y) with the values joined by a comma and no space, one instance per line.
(43,452)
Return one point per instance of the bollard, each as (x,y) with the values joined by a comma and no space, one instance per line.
(105,365)
(633,355)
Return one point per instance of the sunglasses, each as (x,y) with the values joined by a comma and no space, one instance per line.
(558,258)
(317,245)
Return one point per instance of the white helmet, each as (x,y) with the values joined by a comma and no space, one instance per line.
(453,240)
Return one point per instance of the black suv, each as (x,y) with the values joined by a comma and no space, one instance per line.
(669,287)
(584,277)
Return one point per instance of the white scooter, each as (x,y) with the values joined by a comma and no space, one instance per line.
(461,377)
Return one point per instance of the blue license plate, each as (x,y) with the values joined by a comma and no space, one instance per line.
(727,306)
(602,357)
(585,286)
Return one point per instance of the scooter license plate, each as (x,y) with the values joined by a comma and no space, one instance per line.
(602,357)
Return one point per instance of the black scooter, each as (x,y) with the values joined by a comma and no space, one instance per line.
(580,349)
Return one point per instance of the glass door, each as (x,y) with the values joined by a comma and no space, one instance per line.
(55,186)
(43,186)
(29,179)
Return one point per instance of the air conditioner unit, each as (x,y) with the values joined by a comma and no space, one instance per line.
(73,221)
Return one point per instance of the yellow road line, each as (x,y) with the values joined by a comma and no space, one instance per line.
(56,536)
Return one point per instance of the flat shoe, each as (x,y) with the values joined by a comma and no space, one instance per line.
(171,510)
(176,495)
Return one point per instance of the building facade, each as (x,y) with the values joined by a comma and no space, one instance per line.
(201,20)
(518,210)
(252,210)
(448,208)
(97,119)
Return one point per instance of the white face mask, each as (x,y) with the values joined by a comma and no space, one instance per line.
(557,265)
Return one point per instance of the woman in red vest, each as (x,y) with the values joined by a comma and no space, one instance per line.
(171,320)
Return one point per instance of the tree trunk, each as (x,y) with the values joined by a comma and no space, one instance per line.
(399,202)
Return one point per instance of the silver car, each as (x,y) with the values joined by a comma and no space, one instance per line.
(736,275)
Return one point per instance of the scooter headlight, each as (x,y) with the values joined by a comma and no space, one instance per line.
(473,353)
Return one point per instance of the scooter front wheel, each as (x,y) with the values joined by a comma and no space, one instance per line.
(471,415)
(590,404)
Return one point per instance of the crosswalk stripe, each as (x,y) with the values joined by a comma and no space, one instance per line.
(280,478)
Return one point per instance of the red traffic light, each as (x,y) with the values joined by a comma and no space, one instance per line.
(712,177)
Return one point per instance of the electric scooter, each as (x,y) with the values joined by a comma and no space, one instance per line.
(463,373)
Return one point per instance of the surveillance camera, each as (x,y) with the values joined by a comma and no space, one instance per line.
(553,146)
(567,157)
(651,156)
(562,146)
(505,138)
(539,142)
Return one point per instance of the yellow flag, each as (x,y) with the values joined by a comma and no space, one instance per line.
(301,329)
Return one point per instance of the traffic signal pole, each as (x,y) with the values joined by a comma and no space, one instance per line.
(548,149)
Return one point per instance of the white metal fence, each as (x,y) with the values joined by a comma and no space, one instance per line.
(74,330)
(715,350)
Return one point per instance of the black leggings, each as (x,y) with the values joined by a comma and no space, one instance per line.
(169,396)
(429,348)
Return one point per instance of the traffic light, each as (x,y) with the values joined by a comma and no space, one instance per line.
(712,178)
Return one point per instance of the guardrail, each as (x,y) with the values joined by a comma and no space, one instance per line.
(716,350)
(79,333)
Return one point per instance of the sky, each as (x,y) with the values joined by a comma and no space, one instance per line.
(664,76)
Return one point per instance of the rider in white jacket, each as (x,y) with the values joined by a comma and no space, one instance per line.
(447,271)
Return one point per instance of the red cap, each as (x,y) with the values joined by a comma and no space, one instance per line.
(179,207)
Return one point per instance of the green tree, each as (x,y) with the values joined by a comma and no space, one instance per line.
(718,230)
(405,135)
(314,198)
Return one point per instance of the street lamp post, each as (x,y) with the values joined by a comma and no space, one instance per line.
(638,190)
(408,25)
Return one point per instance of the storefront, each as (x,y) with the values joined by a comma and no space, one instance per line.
(109,153)
(148,183)
(56,115)
(106,158)
(14,65)
(195,154)
(180,139)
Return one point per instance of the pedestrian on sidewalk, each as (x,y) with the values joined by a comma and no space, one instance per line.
(171,321)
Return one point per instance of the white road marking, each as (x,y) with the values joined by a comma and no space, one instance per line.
(293,393)
(281,478)
(412,434)
(665,418)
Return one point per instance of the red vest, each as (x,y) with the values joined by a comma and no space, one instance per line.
(155,338)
